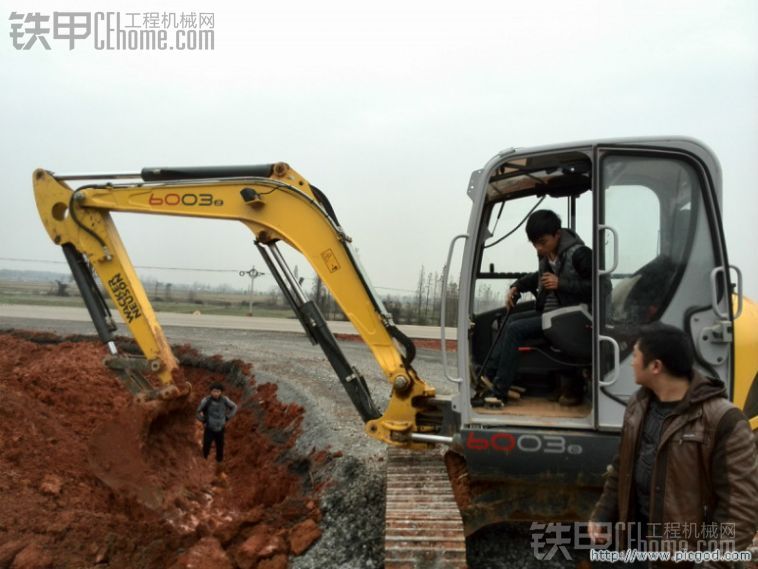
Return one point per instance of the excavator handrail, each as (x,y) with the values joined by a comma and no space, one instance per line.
(443,308)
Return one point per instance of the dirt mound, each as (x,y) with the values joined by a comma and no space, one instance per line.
(62,508)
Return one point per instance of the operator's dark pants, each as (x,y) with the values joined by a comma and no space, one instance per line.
(502,365)
(209,437)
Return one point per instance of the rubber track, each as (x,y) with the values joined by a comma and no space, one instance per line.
(423,526)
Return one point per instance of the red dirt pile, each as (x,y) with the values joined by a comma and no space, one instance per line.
(74,495)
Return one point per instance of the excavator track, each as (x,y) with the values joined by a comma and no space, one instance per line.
(423,526)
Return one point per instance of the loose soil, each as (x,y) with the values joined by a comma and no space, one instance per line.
(351,505)
(82,487)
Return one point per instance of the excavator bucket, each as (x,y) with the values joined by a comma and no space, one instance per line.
(122,452)
(117,449)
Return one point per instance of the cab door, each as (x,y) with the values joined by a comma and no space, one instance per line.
(659,257)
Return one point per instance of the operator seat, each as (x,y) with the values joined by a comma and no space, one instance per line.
(565,348)
(569,330)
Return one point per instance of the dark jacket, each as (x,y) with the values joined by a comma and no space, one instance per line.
(214,413)
(705,469)
(574,272)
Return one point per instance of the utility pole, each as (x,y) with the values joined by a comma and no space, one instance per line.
(253,274)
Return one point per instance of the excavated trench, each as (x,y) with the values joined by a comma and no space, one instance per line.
(56,397)
(81,488)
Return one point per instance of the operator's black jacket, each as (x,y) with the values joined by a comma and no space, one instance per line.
(574,272)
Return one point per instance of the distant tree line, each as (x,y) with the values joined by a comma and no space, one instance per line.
(422,307)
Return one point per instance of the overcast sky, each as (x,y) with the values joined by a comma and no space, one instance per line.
(386,106)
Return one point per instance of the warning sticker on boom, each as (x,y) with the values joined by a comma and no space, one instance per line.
(331,261)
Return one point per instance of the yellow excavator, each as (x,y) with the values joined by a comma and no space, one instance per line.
(650,209)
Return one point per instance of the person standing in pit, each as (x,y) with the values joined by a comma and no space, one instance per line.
(214,412)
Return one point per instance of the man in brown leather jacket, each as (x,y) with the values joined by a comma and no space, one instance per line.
(686,469)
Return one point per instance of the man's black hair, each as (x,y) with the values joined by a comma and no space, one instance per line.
(542,222)
(668,344)
(217,385)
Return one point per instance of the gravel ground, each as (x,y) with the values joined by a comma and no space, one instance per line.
(353,508)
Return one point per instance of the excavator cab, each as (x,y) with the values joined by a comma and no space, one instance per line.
(649,210)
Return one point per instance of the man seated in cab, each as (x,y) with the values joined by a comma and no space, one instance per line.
(563,278)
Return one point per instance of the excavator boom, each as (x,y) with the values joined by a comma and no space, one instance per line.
(278,205)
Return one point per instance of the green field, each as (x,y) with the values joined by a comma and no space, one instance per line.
(182,301)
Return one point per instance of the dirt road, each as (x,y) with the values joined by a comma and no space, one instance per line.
(199,320)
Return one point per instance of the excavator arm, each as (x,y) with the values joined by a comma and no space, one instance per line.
(278,205)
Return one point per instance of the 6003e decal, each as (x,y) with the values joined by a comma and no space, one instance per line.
(508,442)
(189,199)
